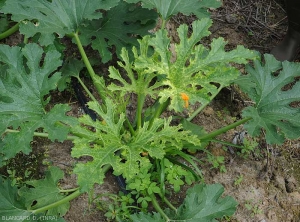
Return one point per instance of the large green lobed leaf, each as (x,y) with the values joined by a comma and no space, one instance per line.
(119,27)
(10,205)
(24,87)
(167,8)
(15,204)
(273,110)
(58,16)
(204,203)
(45,192)
(107,31)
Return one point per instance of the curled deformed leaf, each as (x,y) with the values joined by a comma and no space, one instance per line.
(108,144)
(197,73)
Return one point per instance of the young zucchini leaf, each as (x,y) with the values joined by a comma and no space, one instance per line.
(107,145)
(273,110)
(167,8)
(139,84)
(197,73)
(202,203)
(24,89)
(119,27)
(59,17)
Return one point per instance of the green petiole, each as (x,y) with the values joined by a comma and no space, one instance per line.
(140,104)
(224,129)
(157,207)
(98,82)
(44,135)
(56,204)
(10,31)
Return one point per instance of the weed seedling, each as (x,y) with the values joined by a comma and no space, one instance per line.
(238,180)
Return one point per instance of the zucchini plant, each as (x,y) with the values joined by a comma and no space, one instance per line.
(145,149)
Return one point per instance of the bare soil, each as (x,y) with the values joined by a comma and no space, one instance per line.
(269,190)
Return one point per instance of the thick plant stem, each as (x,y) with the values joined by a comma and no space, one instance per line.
(162,107)
(44,135)
(157,207)
(224,129)
(140,104)
(129,126)
(56,204)
(25,40)
(10,31)
(162,178)
(163,23)
(99,84)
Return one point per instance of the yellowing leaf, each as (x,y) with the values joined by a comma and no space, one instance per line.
(196,71)
(108,145)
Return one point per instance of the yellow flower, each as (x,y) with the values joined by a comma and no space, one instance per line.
(185,98)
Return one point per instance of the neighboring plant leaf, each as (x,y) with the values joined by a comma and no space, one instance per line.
(273,111)
(22,106)
(197,74)
(4,24)
(119,27)
(45,192)
(167,8)
(107,145)
(13,208)
(204,203)
(2,2)
(71,68)
(195,130)
(10,204)
(59,17)
(142,217)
